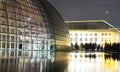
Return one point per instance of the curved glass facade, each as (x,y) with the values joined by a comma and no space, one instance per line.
(25,24)
(61,31)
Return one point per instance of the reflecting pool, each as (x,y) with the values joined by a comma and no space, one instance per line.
(59,61)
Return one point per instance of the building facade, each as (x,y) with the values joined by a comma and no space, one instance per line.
(31,25)
(92,31)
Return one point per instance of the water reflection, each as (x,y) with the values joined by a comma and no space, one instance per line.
(60,61)
(93,62)
(27,61)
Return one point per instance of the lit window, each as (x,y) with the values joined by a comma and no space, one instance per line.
(80,39)
(85,39)
(109,34)
(102,34)
(3,22)
(75,34)
(86,34)
(76,38)
(91,39)
(106,34)
(80,34)
(95,39)
(102,39)
(91,34)
(95,34)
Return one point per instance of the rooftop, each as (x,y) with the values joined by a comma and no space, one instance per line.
(89,24)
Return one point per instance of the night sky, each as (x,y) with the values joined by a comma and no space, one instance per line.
(108,10)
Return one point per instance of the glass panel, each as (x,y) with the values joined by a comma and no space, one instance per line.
(3,13)
(29,34)
(8,46)
(12,22)
(10,7)
(3,37)
(3,44)
(0,29)
(3,21)
(2,5)
(20,24)
(11,15)
(12,45)
(19,17)
(4,29)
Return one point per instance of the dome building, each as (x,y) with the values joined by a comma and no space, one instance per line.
(31,25)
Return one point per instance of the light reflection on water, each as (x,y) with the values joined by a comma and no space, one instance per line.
(93,62)
(60,61)
(27,61)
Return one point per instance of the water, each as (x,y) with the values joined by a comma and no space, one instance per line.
(60,61)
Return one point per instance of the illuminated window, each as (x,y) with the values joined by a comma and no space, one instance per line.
(90,34)
(80,39)
(91,39)
(85,39)
(95,39)
(95,34)
(0,37)
(102,39)
(4,30)
(102,34)
(109,34)
(81,34)
(106,34)
(75,34)
(76,38)
(86,34)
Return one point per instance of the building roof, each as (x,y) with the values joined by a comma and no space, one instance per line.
(89,24)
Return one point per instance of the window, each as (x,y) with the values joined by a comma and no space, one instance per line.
(12,22)
(85,39)
(12,45)
(76,38)
(4,30)
(75,34)
(80,39)
(90,34)
(0,37)
(106,34)
(81,34)
(102,34)
(91,39)
(3,44)
(86,34)
(95,34)
(71,39)
(95,39)
(109,34)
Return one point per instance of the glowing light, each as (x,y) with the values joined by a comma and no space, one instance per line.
(81,62)
(106,12)
(29,19)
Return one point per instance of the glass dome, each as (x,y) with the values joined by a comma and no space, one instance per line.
(31,25)
(24,25)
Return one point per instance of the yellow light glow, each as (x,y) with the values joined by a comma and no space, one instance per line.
(80,63)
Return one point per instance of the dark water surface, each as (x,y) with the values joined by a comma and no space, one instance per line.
(60,61)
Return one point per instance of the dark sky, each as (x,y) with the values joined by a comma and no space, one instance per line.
(108,10)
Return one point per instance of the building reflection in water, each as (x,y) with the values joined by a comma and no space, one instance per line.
(48,61)
(93,62)
(27,61)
